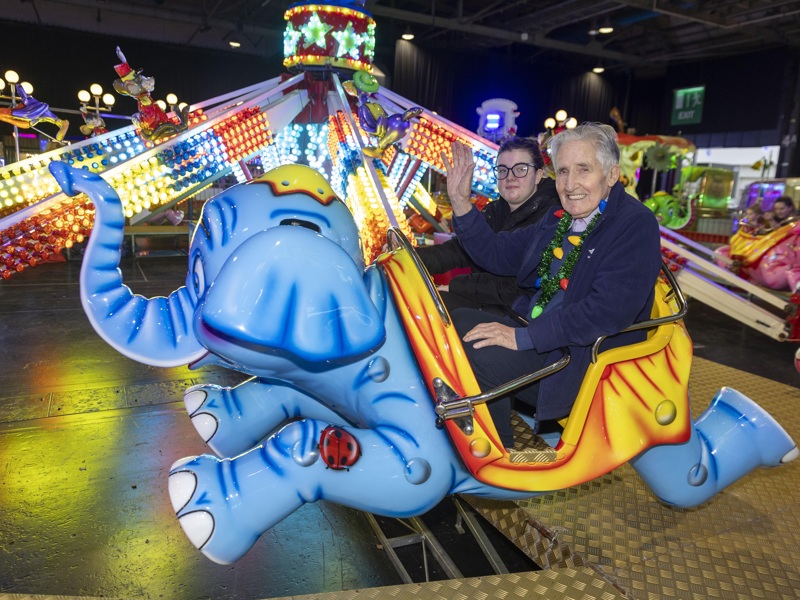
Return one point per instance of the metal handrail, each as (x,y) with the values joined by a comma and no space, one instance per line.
(461,407)
(395,239)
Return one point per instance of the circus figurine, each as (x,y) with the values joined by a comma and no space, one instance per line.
(152,121)
(372,116)
(30,112)
(93,125)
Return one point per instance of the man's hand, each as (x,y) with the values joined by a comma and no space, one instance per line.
(459,177)
(443,288)
(492,334)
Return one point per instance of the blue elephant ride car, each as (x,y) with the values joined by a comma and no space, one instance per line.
(359,392)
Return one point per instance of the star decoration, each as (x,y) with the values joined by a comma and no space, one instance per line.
(291,37)
(315,32)
(369,40)
(348,41)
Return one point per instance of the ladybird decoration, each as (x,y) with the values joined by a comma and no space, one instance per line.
(338,448)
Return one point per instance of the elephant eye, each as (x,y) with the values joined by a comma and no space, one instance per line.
(301,223)
(198,276)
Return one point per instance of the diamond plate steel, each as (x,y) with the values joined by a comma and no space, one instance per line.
(562,584)
(744,543)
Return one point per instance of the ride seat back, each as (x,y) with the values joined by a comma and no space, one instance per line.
(636,396)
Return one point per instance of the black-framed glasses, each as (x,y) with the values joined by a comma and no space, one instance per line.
(519,170)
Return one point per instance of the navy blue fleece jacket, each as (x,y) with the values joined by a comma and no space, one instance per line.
(610,288)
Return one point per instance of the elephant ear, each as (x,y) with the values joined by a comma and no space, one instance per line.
(291,289)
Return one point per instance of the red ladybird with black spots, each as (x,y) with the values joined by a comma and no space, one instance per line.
(339,449)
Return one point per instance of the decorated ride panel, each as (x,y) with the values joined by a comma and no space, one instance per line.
(634,397)
(770,259)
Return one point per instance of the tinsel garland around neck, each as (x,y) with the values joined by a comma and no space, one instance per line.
(550,284)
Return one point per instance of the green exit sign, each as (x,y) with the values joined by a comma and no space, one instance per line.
(687,106)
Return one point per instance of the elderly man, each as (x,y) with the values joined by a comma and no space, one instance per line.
(594,264)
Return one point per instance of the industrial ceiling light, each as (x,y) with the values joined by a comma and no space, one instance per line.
(593,28)
(598,69)
(234,42)
(408,35)
(606,27)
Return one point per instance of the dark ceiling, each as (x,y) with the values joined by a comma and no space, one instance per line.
(647,34)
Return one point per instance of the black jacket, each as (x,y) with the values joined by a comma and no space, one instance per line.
(486,288)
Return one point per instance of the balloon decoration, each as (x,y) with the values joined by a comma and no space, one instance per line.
(152,121)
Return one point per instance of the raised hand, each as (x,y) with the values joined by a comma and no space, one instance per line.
(459,177)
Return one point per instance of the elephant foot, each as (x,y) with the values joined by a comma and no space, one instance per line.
(219,418)
(197,489)
(224,505)
(739,427)
(731,438)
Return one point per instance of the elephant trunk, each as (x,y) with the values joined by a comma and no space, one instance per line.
(154,331)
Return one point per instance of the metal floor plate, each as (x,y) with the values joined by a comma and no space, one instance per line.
(742,544)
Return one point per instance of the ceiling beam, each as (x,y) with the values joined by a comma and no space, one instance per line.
(593,49)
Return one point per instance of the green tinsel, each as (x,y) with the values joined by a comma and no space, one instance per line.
(548,285)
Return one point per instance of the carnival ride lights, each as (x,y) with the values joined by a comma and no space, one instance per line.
(287,146)
(321,35)
(147,174)
(497,119)
(429,139)
(359,189)
(151,175)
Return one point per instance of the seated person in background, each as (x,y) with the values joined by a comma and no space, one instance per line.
(526,195)
(770,222)
(784,210)
(594,265)
(755,221)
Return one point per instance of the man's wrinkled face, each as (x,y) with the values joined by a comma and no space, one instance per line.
(581,181)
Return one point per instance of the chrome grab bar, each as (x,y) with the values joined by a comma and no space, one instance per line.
(461,407)
(395,239)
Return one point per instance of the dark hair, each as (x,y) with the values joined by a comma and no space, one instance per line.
(787,200)
(529,145)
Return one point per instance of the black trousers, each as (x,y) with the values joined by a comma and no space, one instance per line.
(495,365)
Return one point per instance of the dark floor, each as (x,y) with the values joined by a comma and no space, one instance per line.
(87,438)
